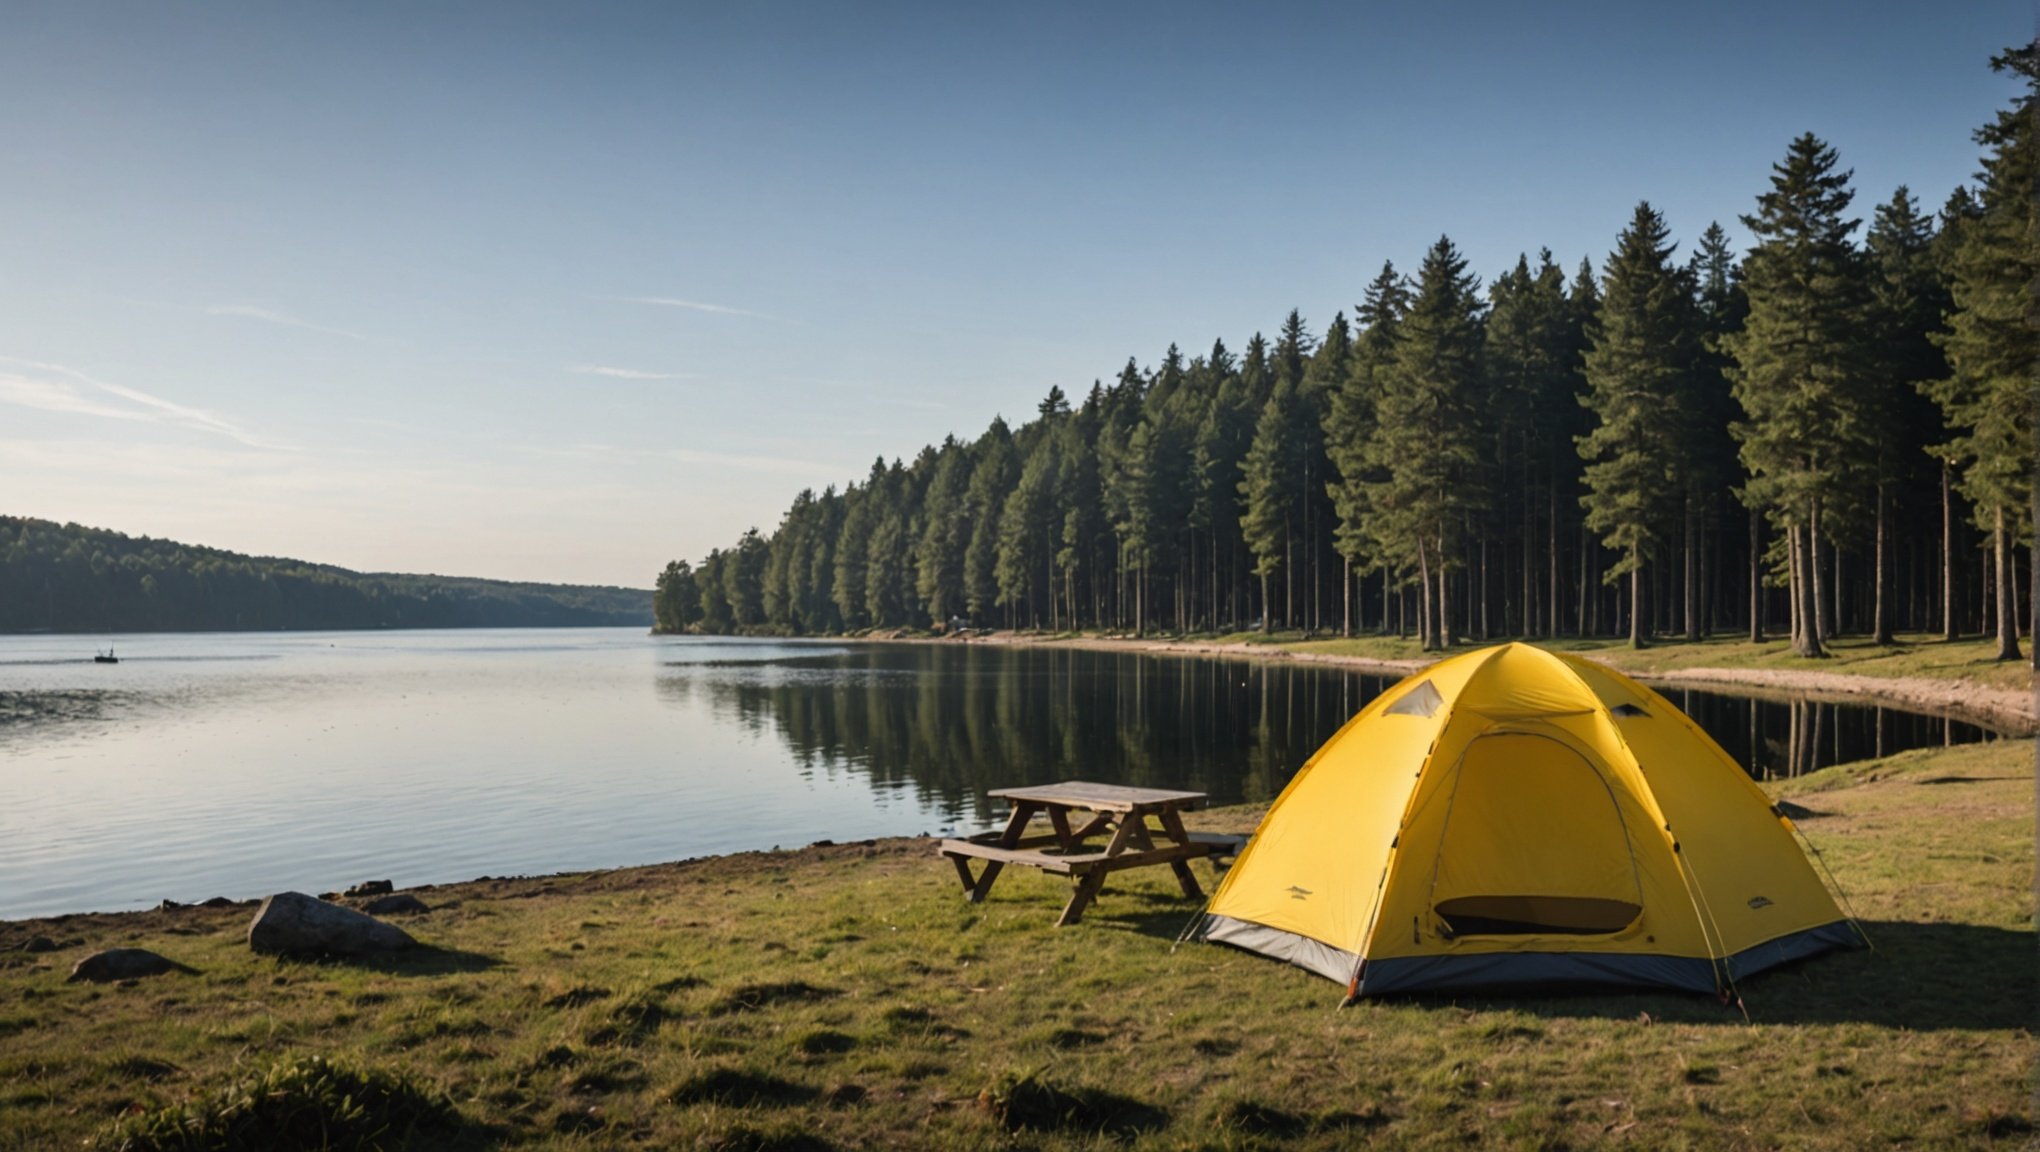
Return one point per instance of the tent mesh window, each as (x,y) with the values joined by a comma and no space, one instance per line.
(1423,700)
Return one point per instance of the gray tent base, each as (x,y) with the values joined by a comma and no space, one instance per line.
(1520,969)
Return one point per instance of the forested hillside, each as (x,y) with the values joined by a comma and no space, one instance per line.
(1832,431)
(68,578)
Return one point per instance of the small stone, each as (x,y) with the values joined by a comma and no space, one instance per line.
(168,906)
(292,923)
(39,944)
(371,888)
(402,902)
(216,902)
(116,964)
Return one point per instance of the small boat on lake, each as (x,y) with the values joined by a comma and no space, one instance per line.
(106,657)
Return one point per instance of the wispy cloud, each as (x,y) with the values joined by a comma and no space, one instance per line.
(690,305)
(735,460)
(748,463)
(268,316)
(55,388)
(626,373)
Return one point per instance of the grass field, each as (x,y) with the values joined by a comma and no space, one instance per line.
(846,996)
(1972,659)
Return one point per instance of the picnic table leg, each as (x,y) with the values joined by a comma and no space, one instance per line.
(963,872)
(983,887)
(1016,824)
(1087,890)
(1096,824)
(1172,826)
(1061,822)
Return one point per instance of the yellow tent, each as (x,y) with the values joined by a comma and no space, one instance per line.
(1516,816)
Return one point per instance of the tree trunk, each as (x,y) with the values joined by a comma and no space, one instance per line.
(1424,598)
(1880,629)
(1756,577)
(1636,628)
(1486,633)
(1444,634)
(1795,583)
(1551,593)
(1806,586)
(1692,574)
(1265,613)
(1346,598)
(1817,623)
(1527,617)
(2007,595)
(1950,631)
(1590,617)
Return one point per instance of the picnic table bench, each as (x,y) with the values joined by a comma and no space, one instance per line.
(1077,811)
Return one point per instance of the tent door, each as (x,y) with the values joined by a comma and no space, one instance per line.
(1534,844)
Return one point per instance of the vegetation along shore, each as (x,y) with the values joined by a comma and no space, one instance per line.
(1828,434)
(70,578)
(846,996)
(1917,673)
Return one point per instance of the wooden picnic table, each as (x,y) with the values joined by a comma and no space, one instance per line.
(1077,811)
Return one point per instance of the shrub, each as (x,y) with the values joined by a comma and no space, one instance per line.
(304,1102)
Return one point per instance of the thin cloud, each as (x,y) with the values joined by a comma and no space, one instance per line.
(739,461)
(690,305)
(267,316)
(81,395)
(626,373)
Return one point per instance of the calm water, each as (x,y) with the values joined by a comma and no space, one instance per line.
(237,764)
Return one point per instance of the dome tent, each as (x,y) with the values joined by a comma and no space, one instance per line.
(1516,816)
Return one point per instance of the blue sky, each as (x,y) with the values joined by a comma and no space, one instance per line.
(563,291)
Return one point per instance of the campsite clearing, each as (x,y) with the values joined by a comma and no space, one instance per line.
(846,996)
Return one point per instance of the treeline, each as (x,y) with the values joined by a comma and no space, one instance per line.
(69,578)
(1831,432)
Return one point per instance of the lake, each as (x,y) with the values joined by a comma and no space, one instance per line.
(238,764)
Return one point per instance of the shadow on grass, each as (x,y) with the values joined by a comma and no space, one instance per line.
(420,961)
(1921,977)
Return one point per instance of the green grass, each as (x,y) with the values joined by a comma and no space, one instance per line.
(846,996)
(1911,655)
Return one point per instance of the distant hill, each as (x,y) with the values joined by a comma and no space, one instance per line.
(69,578)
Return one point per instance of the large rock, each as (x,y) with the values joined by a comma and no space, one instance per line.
(294,924)
(122,964)
(402,902)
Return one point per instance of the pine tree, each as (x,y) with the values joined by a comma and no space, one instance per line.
(853,549)
(1351,416)
(744,580)
(1323,375)
(1426,446)
(1907,301)
(676,601)
(945,531)
(1993,341)
(1798,365)
(1640,372)
(1269,477)
(716,618)
(1026,527)
(990,481)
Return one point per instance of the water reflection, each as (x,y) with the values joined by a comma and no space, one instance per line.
(951,722)
(1776,737)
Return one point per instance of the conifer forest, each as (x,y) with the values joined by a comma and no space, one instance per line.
(1829,432)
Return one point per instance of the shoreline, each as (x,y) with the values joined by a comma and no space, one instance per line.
(847,995)
(2009,712)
